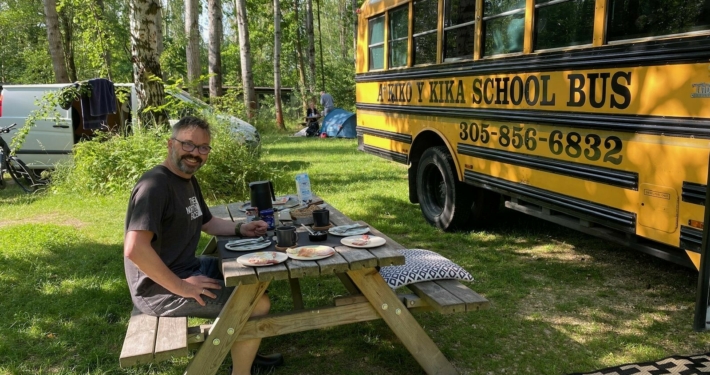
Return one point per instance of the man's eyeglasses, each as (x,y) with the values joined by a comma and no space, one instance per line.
(189,147)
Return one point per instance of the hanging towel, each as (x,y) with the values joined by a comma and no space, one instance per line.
(95,108)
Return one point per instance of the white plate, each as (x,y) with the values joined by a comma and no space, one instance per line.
(278,257)
(248,247)
(293,253)
(372,241)
(349,232)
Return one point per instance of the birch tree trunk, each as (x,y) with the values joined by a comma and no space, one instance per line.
(277,66)
(192,30)
(215,47)
(97,8)
(159,29)
(311,49)
(299,58)
(67,26)
(320,44)
(355,16)
(245,55)
(55,42)
(343,28)
(146,61)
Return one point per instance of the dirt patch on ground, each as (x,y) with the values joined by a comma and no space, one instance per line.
(54,218)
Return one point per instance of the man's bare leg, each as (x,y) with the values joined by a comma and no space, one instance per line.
(244,352)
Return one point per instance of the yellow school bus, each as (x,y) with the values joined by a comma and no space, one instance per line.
(594,114)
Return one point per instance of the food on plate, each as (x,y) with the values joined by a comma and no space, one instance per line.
(363,241)
(280,200)
(263,258)
(309,252)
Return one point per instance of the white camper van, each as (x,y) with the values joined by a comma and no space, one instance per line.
(50,141)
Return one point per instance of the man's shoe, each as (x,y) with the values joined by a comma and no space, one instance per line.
(267,362)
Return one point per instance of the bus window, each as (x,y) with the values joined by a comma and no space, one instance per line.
(504,24)
(646,18)
(563,24)
(376,46)
(425,12)
(398,36)
(459,28)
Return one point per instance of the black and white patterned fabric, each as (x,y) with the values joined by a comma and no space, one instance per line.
(422,265)
(676,365)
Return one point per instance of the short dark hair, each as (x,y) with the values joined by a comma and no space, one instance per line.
(188,122)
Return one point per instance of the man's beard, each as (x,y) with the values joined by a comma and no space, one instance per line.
(185,168)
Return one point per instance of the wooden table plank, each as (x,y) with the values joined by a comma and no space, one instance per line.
(357,258)
(236,273)
(140,339)
(225,329)
(401,321)
(171,338)
(333,265)
(270,273)
(221,212)
(473,300)
(337,217)
(302,268)
(437,297)
(387,254)
(235,209)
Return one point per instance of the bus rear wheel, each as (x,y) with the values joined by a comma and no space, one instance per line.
(444,201)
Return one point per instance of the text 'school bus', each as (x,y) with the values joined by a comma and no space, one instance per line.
(594,114)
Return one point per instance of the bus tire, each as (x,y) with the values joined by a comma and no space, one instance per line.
(444,201)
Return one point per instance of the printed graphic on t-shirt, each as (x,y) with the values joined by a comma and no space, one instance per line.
(194,209)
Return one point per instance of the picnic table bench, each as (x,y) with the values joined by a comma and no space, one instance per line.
(153,339)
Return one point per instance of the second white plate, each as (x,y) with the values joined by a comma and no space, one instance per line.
(273,257)
(349,232)
(319,252)
(360,242)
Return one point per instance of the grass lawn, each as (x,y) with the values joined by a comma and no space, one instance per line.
(561,301)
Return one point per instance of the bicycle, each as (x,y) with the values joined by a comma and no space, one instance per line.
(24,177)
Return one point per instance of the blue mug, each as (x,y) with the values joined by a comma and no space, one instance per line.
(268,217)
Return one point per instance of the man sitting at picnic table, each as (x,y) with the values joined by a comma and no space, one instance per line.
(166,214)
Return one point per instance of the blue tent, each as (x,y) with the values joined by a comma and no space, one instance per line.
(339,123)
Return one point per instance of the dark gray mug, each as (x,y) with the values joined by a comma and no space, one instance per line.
(286,236)
(321,218)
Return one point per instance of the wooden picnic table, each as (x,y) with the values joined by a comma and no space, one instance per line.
(370,298)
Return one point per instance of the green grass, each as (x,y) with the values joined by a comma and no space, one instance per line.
(560,301)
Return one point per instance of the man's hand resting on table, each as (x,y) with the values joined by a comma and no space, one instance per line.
(254,228)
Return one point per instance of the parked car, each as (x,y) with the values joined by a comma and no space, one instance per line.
(51,139)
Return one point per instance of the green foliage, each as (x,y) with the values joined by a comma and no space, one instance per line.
(110,163)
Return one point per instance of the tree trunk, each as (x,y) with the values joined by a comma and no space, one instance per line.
(245,54)
(299,58)
(146,62)
(215,48)
(103,34)
(65,20)
(311,51)
(320,44)
(55,42)
(277,65)
(343,27)
(192,29)
(159,29)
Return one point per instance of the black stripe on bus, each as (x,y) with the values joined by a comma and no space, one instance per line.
(694,193)
(659,52)
(399,137)
(690,238)
(609,216)
(626,180)
(386,154)
(683,127)
(22,151)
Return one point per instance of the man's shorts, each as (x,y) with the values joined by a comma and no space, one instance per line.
(181,306)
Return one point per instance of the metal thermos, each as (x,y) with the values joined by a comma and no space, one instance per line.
(262,194)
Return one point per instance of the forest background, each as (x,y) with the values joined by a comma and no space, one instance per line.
(235,43)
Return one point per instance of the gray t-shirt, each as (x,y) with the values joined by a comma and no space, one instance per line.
(173,209)
(327,101)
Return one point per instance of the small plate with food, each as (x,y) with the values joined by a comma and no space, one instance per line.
(312,252)
(365,241)
(262,258)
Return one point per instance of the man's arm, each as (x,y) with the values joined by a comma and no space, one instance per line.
(137,248)
(221,227)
